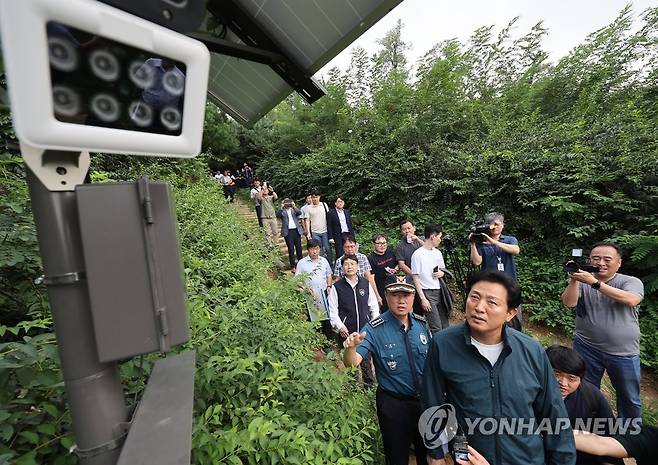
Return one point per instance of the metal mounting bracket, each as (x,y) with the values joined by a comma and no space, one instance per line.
(57,170)
(230,13)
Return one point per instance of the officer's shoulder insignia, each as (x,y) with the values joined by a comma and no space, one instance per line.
(418,317)
(377,322)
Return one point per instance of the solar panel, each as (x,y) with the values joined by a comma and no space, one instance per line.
(308,33)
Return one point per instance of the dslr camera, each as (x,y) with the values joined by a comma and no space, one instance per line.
(573,266)
(448,243)
(478,228)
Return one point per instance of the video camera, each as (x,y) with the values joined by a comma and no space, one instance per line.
(478,229)
(574,265)
(448,243)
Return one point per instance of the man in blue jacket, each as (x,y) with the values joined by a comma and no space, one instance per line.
(397,341)
(498,382)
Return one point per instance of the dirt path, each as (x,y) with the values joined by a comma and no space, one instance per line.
(247,212)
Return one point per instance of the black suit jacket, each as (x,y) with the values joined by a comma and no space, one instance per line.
(333,224)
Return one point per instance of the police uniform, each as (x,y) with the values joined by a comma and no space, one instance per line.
(399,358)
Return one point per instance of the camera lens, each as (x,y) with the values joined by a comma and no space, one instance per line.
(174,82)
(105,107)
(66,101)
(141,74)
(104,65)
(140,113)
(170,118)
(62,53)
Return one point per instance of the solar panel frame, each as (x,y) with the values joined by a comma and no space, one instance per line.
(308,32)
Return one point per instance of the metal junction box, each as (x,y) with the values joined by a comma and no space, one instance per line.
(133,268)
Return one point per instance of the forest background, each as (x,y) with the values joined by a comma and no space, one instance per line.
(567,151)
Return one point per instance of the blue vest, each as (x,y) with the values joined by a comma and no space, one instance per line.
(353,317)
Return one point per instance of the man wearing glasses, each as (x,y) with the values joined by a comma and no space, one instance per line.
(607,335)
(383,264)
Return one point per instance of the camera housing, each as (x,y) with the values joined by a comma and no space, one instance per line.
(83,75)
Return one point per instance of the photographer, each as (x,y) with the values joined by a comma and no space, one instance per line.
(253,193)
(607,325)
(267,196)
(495,251)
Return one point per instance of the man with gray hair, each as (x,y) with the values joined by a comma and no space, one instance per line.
(496,251)
(607,305)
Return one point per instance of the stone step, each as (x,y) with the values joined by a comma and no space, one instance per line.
(247,213)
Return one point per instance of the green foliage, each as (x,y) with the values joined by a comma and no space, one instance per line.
(542,283)
(33,426)
(643,256)
(220,140)
(19,253)
(260,397)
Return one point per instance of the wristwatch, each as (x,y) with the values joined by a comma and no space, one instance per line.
(596,285)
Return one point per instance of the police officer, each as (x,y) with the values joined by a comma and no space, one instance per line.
(398,341)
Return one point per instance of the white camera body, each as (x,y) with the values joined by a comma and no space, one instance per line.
(47,43)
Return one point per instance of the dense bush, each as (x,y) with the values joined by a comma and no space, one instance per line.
(260,396)
(34,428)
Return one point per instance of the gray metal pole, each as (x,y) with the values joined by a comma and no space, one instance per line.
(94,390)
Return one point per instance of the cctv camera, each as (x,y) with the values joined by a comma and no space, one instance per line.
(83,75)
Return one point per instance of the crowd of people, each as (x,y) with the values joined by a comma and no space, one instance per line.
(244,177)
(391,310)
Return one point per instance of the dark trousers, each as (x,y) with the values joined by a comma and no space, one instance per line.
(398,422)
(258,213)
(229,193)
(294,244)
(338,246)
(624,372)
(437,318)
